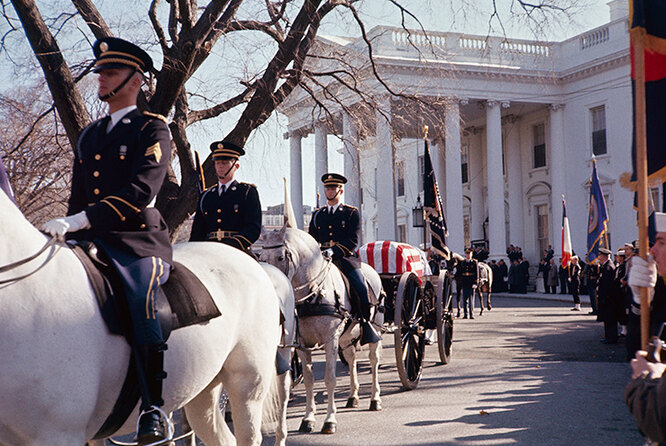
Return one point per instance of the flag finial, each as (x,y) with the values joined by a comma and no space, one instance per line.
(425,132)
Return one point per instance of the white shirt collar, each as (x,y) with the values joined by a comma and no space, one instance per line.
(333,209)
(118,115)
(226,186)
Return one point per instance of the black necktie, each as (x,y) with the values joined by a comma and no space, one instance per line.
(222,189)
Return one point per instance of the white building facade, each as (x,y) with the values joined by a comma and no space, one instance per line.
(521,124)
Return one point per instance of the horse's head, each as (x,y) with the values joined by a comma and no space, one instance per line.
(275,250)
(289,249)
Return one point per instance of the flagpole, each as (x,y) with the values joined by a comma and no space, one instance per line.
(425,219)
(641,171)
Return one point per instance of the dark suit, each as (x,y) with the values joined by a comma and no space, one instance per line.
(469,276)
(606,309)
(574,282)
(115,177)
(233,217)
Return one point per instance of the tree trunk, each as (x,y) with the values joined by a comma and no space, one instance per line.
(66,97)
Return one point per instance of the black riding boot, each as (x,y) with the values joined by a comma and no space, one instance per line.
(368,333)
(152,426)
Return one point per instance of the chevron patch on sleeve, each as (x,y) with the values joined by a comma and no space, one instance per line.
(155,150)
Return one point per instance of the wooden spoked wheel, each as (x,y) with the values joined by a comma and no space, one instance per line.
(409,334)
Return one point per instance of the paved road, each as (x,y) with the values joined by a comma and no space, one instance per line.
(529,372)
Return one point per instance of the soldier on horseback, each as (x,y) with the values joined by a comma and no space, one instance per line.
(337,228)
(120,163)
(230,211)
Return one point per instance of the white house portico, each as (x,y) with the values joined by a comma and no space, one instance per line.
(516,125)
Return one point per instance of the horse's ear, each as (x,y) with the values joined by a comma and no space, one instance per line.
(283,229)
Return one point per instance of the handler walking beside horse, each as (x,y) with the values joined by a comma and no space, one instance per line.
(119,165)
(336,227)
(469,272)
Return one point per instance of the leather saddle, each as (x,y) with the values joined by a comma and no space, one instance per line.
(182,301)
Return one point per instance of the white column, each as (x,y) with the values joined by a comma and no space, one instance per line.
(351,161)
(514,178)
(296,173)
(321,158)
(454,194)
(386,206)
(496,216)
(475,167)
(557,173)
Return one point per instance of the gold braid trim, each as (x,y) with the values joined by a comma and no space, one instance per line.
(125,202)
(122,217)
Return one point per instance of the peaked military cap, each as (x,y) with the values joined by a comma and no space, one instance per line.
(226,150)
(605,251)
(333,179)
(112,52)
(468,249)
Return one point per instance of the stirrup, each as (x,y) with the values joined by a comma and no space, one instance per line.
(165,419)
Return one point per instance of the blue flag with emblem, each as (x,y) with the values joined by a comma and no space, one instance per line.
(597,223)
(4,182)
(432,207)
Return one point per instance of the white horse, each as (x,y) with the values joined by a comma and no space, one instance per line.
(62,371)
(315,278)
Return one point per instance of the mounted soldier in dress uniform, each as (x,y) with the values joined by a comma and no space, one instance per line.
(120,163)
(337,228)
(229,212)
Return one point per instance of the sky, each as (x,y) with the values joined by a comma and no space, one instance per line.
(267,159)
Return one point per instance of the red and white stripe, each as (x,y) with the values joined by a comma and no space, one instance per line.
(388,257)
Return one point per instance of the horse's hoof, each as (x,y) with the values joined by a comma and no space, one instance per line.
(489,307)
(375,406)
(352,402)
(307,426)
(328,428)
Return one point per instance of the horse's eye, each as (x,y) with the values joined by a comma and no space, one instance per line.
(281,258)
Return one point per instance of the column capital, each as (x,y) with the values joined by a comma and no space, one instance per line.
(463,101)
(510,119)
(490,103)
(506,104)
(301,133)
(556,107)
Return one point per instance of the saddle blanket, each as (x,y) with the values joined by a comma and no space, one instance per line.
(389,257)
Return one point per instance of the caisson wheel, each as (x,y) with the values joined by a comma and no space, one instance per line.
(444,318)
(409,331)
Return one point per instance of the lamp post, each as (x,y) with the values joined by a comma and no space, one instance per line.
(418,218)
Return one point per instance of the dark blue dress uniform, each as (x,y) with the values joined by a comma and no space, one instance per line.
(231,216)
(115,178)
(468,270)
(340,231)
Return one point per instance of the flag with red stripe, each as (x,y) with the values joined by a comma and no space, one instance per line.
(566,237)
(648,24)
(389,257)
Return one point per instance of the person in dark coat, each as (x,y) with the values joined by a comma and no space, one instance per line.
(592,277)
(497,280)
(543,270)
(120,163)
(469,272)
(551,281)
(230,211)
(503,275)
(523,275)
(574,282)
(606,308)
(513,276)
(563,274)
(337,228)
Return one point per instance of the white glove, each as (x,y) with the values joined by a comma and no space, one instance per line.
(642,274)
(61,226)
(328,253)
(473,287)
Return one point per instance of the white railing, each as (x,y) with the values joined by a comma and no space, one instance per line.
(595,37)
(520,47)
(473,43)
(402,38)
